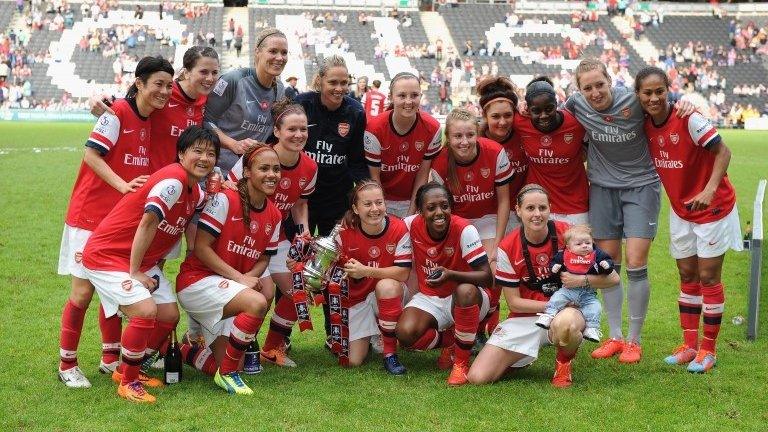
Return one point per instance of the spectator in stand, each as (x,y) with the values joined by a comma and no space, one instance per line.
(360,89)
(374,100)
(290,91)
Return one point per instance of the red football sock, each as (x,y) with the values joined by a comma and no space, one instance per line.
(72,318)
(159,336)
(200,358)
(389,312)
(281,323)
(427,341)
(448,337)
(111,331)
(466,319)
(714,305)
(563,356)
(245,327)
(689,304)
(134,343)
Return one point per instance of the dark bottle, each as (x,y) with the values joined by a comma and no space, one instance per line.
(251,362)
(172,362)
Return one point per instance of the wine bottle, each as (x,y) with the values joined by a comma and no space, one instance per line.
(251,362)
(172,361)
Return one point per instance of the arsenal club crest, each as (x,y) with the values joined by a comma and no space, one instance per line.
(469,176)
(374,252)
(675,138)
(143,134)
(609,119)
(264,106)
(542,259)
(224,284)
(626,112)
(285,183)
(190,111)
(127,285)
(403,147)
(545,141)
(568,138)
(432,252)
(391,248)
(485,172)
(419,145)
(343,129)
(78,257)
(302,182)
(254,226)
(449,251)
(268,229)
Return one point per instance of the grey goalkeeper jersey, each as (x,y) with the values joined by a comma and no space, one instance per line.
(617,156)
(241,108)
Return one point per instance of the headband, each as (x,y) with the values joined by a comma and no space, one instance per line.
(258,150)
(290,108)
(537,88)
(267,34)
(500,98)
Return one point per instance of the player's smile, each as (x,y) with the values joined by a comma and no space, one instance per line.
(436,210)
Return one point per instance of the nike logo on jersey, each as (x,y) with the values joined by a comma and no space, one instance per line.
(517,263)
(652,223)
(713,243)
(127,131)
(353,249)
(310,125)
(170,105)
(235,218)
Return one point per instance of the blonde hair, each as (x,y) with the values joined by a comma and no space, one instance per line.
(268,32)
(328,63)
(588,65)
(457,114)
(576,230)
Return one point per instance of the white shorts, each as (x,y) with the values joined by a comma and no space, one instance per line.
(73,242)
(277,261)
(205,299)
(398,208)
(174,253)
(486,226)
(116,288)
(442,307)
(221,328)
(708,240)
(363,318)
(571,219)
(520,335)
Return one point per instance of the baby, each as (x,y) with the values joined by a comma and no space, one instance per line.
(580,257)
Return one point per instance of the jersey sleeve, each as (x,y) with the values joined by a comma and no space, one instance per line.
(220,99)
(403,250)
(163,196)
(471,247)
(272,245)
(214,215)
(201,201)
(504,172)
(435,144)
(309,188)
(105,133)
(601,256)
(372,149)
(702,131)
(505,273)
(556,260)
(236,172)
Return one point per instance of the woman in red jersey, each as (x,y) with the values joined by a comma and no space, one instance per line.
(239,231)
(376,249)
(297,183)
(553,141)
(498,100)
(692,159)
(477,173)
(116,162)
(400,144)
(529,249)
(452,272)
(122,255)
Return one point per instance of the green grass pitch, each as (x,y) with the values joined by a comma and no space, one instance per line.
(38,164)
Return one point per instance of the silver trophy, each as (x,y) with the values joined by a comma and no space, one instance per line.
(325,253)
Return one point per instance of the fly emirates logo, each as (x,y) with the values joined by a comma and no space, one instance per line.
(666,162)
(473,194)
(613,135)
(401,164)
(173,230)
(141,160)
(247,248)
(547,156)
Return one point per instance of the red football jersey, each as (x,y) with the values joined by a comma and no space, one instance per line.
(400,156)
(679,149)
(296,182)
(168,123)
(123,141)
(459,250)
(518,161)
(511,270)
(169,194)
(556,161)
(392,247)
(238,244)
(373,101)
(478,179)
